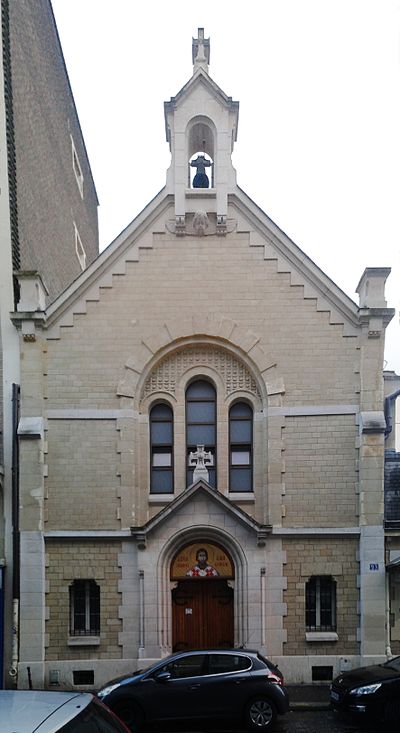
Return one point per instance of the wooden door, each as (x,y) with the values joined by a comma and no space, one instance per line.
(202,615)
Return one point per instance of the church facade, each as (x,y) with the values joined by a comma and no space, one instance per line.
(201,437)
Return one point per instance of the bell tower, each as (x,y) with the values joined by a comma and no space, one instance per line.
(201,128)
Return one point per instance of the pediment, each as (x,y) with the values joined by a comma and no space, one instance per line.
(202,488)
(201,79)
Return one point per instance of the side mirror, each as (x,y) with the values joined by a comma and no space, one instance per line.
(162,676)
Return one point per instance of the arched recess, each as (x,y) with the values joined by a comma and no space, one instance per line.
(201,533)
(228,335)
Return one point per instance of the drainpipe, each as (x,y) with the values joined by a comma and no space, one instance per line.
(16,544)
(388,409)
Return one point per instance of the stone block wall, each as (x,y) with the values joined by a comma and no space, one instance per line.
(321,556)
(82,561)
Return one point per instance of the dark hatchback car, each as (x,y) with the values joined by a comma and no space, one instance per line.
(369,692)
(211,688)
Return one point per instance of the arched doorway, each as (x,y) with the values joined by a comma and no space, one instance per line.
(203,598)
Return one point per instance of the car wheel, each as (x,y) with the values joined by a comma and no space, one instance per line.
(131,714)
(260,715)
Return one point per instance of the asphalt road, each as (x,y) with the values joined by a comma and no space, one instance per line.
(321,721)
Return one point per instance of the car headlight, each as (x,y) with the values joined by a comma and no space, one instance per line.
(107,691)
(366,689)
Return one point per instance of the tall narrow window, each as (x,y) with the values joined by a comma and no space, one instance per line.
(77,168)
(200,425)
(321,603)
(240,447)
(161,449)
(84,608)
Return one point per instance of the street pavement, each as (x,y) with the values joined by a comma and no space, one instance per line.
(320,721)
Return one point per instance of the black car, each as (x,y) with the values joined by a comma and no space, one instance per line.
(211,688)
(369,692)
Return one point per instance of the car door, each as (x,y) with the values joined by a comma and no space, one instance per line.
(226,685)
(181,696)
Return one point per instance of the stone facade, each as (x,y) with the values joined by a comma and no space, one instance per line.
(47,194)
(225,301)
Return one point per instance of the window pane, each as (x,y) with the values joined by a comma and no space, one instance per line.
(186,666)
(220,663)
(240,479)
(240,458)
(241,410)
(240,431)
(161,433)
(211,476)
(200,389)
(161,482)
(161,412)
(162,459)
(200,412)
(201,435)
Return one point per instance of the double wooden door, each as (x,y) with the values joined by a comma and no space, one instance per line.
(202,615)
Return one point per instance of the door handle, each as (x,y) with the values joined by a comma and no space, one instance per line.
(194,687)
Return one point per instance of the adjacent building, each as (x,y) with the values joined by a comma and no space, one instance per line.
(48,225)
(202,437)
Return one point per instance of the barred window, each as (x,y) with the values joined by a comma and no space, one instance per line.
(84,608)
(321,603)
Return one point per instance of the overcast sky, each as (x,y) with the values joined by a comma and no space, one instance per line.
(318,146)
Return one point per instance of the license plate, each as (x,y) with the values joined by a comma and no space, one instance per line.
(334,696)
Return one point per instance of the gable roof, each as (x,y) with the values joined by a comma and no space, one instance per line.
(199,488)
(200,77)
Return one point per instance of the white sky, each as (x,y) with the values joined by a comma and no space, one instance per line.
(318,146)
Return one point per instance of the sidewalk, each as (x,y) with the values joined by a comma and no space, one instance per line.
(308,697)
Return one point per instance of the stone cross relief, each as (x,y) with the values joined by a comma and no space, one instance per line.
(199,459)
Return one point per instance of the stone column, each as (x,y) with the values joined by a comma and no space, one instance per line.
(374,317)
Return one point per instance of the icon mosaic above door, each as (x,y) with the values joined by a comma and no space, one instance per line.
(202,560)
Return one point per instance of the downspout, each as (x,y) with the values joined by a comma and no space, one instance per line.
(388,411)
(16,536)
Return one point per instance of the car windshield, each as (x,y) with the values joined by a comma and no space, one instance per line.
(393,664)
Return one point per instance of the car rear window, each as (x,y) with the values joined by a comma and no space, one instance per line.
(94,719)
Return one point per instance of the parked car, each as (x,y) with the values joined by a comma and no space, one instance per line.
(29,711)
(369,692)
(234,687)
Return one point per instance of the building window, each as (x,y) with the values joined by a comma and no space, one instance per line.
(200,425)
(240,447)
(321,603)
(84,608)
(161,450)
(77,168)
(79,249)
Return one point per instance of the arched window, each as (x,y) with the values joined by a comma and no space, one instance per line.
(200,425)
(240,447)
(161,450)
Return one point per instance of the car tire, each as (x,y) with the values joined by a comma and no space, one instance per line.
(131,714)
(260,714)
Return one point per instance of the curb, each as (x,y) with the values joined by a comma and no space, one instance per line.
(309,706)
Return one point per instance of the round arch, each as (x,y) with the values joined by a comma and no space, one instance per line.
(201,534)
